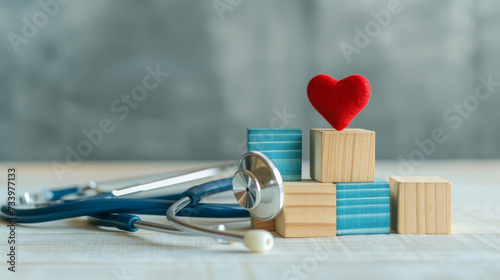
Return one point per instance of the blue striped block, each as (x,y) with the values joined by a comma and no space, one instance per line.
(283,146)
(363,208)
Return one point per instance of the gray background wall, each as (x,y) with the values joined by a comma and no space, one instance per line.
(236,71)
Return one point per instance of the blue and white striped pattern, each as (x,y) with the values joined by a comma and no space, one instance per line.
(363,208)
(281,145)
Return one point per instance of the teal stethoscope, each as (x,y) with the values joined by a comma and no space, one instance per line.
(257,186)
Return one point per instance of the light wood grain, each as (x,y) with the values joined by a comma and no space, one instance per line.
(265,225)
(422,205)
(342,156)
(420,189)
(410,210)
(309,210)
(441,219)
(430,207)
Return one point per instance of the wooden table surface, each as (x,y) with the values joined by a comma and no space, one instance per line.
(73,249)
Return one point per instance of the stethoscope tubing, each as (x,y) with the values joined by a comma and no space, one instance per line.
(120,205)
(110,211)
(107,203)
(180,205)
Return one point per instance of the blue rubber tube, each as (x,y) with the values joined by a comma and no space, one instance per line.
(120,205)
(105,203)
(197,193)
(59,194)
(121,221)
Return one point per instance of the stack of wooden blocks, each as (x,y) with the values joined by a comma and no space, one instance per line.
(343,197)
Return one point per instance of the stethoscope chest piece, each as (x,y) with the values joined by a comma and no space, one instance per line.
(258,187)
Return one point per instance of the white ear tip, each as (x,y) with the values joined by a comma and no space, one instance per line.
(259,241)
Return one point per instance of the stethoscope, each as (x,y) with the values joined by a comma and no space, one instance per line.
(257,187)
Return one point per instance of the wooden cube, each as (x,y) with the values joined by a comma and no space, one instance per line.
(420,205)
(265,225)
(343,156)
(309,210)
(363,208)
(283,146)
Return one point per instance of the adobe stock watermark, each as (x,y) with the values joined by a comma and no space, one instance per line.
(48,9)
(223,6)
(121,107)
(372,29)
(279,120)
(308,266)
(12,221)
(454,117)
(122,275)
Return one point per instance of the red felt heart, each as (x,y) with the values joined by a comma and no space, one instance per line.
(338,101)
